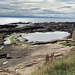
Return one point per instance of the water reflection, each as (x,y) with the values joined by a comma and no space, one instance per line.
(47,36)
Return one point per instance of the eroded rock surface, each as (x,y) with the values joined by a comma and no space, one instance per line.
(27,59)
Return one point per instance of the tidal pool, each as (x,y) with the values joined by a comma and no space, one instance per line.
(47,36)
(38,36)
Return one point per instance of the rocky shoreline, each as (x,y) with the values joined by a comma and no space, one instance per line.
(26,57)
(37,27)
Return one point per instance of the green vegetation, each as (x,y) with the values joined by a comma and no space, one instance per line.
(11,39)
(68,44)
(20,43)
(65,43)
(23,44)
(63,66)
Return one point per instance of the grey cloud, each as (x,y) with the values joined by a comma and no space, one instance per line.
(50,12)
(71,3)
(66,7)
(34,7)
(21,2)
(8,7)
(65,0)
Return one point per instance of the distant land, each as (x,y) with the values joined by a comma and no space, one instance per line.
(38,17)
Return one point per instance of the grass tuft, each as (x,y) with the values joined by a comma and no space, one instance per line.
(68,44)
(23,44)
(63,66)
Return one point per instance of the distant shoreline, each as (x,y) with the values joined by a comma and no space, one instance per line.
(7,20)
(37,17)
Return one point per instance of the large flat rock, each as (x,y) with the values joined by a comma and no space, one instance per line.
(26,59)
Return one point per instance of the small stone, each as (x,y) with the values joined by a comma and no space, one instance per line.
(8,56)
(5,62)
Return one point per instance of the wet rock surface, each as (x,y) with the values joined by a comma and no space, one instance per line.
(37,27)
(2,36)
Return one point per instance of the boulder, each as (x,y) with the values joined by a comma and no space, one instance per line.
(2,35)
(73,35)
(23,39)
(8,56)
(3,56)
(17,36)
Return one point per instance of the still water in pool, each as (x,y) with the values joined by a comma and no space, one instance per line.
(47,36)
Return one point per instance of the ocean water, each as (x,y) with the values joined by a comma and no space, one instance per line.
(6,20)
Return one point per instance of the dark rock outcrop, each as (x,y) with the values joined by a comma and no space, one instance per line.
(73,35)
(38,27)
(2,35)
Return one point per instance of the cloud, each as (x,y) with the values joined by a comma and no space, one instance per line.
(65,0)
(66,7)
(50,8)
(50,12)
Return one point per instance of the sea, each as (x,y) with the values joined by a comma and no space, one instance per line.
(6,20)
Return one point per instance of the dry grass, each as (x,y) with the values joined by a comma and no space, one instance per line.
(64,66)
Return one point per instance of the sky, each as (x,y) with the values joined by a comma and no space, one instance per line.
(47,8)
